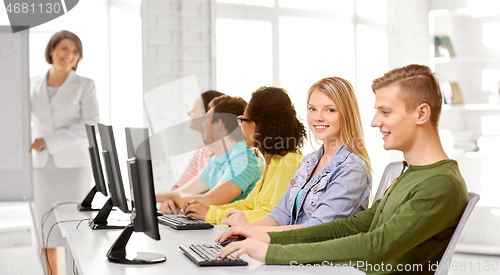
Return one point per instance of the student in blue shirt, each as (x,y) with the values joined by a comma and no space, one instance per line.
(233,170)
(333,182)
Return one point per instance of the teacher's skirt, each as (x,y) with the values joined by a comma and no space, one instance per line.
(53,185)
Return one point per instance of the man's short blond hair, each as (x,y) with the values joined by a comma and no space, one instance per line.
(418,85)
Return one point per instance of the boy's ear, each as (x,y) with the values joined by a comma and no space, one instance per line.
(218,125)
(424,113)
(216,130)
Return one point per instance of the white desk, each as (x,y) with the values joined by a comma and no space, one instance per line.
(89,247)
(68,212)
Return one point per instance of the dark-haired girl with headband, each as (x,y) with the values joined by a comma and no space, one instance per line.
(202,155)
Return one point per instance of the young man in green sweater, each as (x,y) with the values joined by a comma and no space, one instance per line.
(409,228)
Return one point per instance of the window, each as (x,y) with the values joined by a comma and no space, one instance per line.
(112,57)
(292,44)
(244,55)
(112,53)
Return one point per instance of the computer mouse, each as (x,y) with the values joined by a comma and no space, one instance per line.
(231,239)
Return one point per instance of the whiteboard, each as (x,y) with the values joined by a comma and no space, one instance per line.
(15,137)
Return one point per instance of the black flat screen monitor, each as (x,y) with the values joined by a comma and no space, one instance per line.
(113,172)
(100,185)
(143,218)
(113,175)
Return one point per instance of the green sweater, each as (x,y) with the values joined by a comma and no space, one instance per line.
(412,224)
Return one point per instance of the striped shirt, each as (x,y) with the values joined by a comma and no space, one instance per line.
(194,167)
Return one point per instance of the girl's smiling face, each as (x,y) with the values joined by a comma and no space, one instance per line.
(323,117)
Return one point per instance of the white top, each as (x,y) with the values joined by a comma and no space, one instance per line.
(60,121)
(52,92)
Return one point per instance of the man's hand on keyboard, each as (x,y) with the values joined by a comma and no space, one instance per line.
(195,209)
(236,218)
(168,207)
(254,248)
(247,232)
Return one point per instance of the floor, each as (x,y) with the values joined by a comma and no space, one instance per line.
(20,261)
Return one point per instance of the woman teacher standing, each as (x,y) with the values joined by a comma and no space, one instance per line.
(62,102)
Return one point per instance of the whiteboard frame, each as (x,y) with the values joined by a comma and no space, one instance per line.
(18,186)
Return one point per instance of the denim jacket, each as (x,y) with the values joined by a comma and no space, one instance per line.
(340,190)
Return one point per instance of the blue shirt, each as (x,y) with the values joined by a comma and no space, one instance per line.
(340,190)
(297,201)
(238,165)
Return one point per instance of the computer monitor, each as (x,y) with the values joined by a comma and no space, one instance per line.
(143,218)
(100,185)
(113,175)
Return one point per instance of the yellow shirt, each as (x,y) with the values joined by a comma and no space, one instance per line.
(265,195)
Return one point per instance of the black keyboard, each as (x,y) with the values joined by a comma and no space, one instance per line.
(181,222)
(204,255)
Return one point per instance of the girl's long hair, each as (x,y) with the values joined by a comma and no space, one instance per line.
(351,130)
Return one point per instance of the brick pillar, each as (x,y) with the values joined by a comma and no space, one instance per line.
(176,43)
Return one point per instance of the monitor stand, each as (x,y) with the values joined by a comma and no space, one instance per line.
(86,204)
(101,219)
(118,254)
